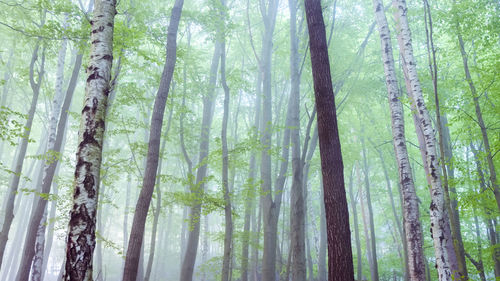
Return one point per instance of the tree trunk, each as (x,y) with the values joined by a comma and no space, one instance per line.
(81,233)
(373,244)
(36,269)
(446,260)
(369,255)
(359,269)
(270,214)
(445,152)
(142,207)
(340,265)
(23,146)
(297,206)
(412,226)
(198,187)
(250,192)
(479,116)
(228,232)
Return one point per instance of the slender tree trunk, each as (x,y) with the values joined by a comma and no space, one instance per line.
(142,207)
(36,269)
(373,240)
(412,226)
(297,205)
(228,233)
(369,255)
(479,116)
(23,146)
(36,226)
(446,260)
(198,188)
(451,204)
(250,192)
(340,265)
(269,211)
(359,271)
(81,233)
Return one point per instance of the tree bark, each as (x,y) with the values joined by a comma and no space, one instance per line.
(340,265)
(446,260)
(81,233)
(142,207)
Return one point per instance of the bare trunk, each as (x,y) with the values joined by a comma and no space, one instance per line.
(340,265)
(81,233)
(359,268)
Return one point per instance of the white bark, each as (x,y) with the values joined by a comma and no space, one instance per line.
(413,228)
(81,233)
(440,228)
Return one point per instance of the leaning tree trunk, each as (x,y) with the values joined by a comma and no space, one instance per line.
(23,146)
(297,206)
(137,232)
(340,265)
(446,261)
(412,226)
(82,223)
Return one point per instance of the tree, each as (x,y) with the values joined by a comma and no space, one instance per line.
(413,228)
(446,260)
(81,233)
(137,233)
(340,265)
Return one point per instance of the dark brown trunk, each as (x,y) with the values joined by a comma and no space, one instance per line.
(340,265)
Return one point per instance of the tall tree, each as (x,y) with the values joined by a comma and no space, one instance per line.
(340,265)
(446,260)
(137,232)
(81,233)
(411,215)
(297,206)
(228,216)
(268,10)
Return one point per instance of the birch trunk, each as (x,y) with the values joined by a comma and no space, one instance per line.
(446,260)
(36,269)
(340,265)
(23,146)
(81,233)
(137,232)
(412,226)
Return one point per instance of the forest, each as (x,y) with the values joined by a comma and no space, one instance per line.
(249,140)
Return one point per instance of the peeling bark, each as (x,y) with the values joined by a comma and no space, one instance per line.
(81,233)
